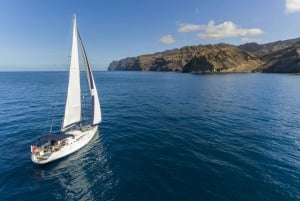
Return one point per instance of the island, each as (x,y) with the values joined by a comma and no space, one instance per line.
(275,57)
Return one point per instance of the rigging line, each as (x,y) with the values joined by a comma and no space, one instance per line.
(68,45)
(89,83)
(85,94)
(55,103)
(88,73)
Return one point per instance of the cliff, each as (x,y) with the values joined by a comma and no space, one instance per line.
(279,57)
(286,60)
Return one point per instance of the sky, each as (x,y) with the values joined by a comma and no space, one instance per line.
(37,34)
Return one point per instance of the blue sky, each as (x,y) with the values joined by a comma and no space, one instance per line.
(36,34)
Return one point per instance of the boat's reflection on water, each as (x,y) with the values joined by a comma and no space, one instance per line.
(84,175)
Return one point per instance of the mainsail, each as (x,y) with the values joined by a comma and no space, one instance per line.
(73,103)
(96,115)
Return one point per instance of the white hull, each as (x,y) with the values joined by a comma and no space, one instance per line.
(79,139)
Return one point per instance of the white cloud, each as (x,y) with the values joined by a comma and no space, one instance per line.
(167,39)
(292,6)
(226,30)
(189,27)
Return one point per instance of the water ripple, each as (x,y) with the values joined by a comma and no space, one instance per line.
(164,136)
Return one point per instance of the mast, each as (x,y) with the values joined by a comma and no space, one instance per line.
(73,102)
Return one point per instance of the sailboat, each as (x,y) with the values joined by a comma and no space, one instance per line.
(74,133)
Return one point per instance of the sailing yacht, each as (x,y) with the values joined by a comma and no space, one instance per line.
(74,133)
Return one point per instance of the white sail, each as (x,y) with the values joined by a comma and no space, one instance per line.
(51,147)
(97,117)
(73,103)
(96,114)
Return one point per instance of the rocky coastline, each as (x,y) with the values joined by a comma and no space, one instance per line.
(275,57)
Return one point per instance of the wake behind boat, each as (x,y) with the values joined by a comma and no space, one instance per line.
(74,133)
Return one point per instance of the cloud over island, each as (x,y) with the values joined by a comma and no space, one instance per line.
(167,39)
(226,29)
(213,31)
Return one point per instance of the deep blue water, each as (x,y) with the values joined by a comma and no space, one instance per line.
(164,136)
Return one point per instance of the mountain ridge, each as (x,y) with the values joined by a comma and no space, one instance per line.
(274,57)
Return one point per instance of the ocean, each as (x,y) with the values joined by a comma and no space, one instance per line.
(164,136)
